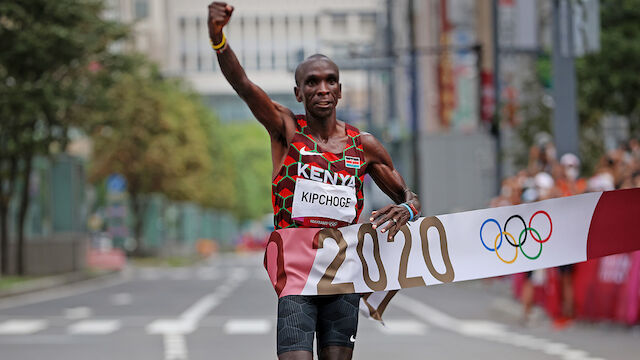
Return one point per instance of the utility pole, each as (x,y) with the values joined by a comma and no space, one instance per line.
(389,40)
(495,126)
(413,76)
(565,117)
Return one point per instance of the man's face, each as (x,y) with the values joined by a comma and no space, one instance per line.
(318,87)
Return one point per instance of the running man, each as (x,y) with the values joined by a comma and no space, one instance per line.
(319,164)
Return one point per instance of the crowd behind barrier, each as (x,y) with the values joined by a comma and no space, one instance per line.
(602,289)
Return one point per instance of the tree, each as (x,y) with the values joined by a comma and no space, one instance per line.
(47,46)
(221,183)
(608,80)
(152,135)
(252,169)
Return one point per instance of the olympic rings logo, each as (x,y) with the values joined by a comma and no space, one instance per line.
(525,231)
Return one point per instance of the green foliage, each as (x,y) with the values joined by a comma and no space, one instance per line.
(44,72)
(608,81)
(538,119)
(152,135)
(250,149)
(544,70)
(220,184)
(9,282)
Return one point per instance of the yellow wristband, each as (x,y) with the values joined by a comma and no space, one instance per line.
(220,45)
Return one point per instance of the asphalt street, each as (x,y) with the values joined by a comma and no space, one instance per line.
(225,308)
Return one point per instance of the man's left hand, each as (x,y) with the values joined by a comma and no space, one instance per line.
(396,216)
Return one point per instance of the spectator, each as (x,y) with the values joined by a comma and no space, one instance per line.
(546,178)
(568,180)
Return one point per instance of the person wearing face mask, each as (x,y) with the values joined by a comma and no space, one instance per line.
(570,182)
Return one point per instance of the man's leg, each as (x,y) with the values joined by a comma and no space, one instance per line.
(337,326)
(566,277)
(297,317)
(296,355)
(335,353)
(527,297)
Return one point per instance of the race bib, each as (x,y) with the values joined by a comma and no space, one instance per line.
(325,205)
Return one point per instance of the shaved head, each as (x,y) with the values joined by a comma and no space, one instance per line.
(300,70)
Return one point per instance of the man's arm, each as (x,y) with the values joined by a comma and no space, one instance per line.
(276,119)
(380,167)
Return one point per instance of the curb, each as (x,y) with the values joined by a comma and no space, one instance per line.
(49,282)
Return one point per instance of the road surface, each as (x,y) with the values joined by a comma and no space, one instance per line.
(225,308)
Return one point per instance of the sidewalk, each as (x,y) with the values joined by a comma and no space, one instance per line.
(54,281)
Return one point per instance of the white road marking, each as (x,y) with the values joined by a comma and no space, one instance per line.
(94,327)
(189,319)
(403,327)
(238,273)
(169,326)
(224,290)
(173,330)
(121,299)
(487,330)
(75,313)
(22,327)
(247,326)
(175,347)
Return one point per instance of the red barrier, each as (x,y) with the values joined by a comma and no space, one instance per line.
(604,289)
(114,259)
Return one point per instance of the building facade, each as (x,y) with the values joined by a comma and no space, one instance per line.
(269,37)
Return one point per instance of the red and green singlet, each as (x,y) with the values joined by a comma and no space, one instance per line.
(316,188)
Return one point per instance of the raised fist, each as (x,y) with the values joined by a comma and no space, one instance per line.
(219,15)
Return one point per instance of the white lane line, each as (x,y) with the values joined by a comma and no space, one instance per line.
(76,313)
(173,330)
(94,327)
(238,273)
(175,347)
(22,327)
(188,321)
(247,326)
(121,299)
(169,326)
(403,327)
(487,330)
(198,310)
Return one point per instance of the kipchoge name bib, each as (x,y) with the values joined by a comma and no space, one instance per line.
(321,204)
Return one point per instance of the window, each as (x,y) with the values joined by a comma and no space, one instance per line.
(140,9)
(368,24)
(339,24)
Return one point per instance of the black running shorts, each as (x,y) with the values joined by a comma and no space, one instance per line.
(334,319)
